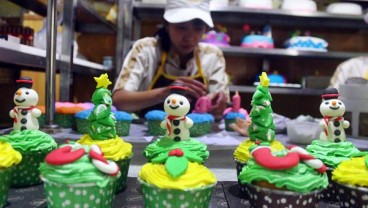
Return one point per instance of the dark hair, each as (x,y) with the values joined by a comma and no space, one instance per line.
(163,38)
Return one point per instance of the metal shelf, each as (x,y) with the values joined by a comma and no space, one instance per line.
(278,52)
(234,14)
(277,90)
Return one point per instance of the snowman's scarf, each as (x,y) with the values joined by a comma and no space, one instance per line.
(169,119)
(329,118)
(16,110)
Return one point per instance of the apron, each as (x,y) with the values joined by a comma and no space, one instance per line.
(162,79)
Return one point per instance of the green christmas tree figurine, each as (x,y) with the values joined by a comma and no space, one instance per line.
(101,119)
(262,128)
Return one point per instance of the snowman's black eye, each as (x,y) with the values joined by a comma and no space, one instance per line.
(326,103)
(181,102)
(340,103)
(168,101)
(27,93)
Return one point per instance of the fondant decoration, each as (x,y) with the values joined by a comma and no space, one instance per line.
(64,155)
(24,113)
(333,124)
(203,105)
(101,118)
(236,106)
(260,40)
(307,43)
(308,159)
(105,166)
(262,127)
(241,126)
(176,122)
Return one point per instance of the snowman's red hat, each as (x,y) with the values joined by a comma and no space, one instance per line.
(178,88)
(25,82)
(330,93)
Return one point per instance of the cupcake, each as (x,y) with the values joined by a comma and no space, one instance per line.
(202,120)
(262,127)
(102,131)
(8,159)
(79,176)
(332,147)
(234,112)
(122,125)
(25,137)
(154,118)
(352,182)
(290,178)
(176,179)
(177,126)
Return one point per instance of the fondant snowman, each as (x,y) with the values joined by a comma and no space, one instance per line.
(177,107)
(333,124)
(24,113)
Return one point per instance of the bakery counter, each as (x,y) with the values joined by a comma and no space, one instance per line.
(224,195)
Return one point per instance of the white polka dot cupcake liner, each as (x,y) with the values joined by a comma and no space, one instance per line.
(352,196)
(5,179)
(79,195)
(200,129)
(330,194)
(191,198)
(271,198)
(122,181)
(26,173)
(82,125)
(239,166)
(65,120)
(154,128)
(122,128)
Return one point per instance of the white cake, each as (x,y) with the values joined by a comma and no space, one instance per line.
(345,8)
(256,4)
(299,5)
(307,43)
(219,3)
(154,1)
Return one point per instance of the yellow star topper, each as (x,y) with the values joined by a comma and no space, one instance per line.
(264,79)
(103,81)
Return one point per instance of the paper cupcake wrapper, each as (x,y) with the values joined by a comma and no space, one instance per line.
(239,166)
(227,123)
(352,196)
(26,173)
(122,128)
(265,197)
(82,125)
(5,179)
(41,120)
(122,181)
(331,192)
(156,197)
(200,129)
(79,195)
(154,128)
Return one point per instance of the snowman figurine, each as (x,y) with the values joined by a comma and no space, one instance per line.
(333,124)
(177,107)
(24,113)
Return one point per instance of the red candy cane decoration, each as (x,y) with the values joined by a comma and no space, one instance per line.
(308,159)
(263,156)
(64,155)
(105,166)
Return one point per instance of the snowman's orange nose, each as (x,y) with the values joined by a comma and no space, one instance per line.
(19,93)
(174,101)
(333,103)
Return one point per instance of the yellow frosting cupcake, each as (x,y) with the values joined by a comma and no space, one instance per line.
(8,156)
(241,153)
(353,172)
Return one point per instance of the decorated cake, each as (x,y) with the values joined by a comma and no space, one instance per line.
(79,176)
(345,8)
(217,38)
(260,40)
(25,137)
(307,43)
(299,6)
(175,175)
(332,147)
(154,119)
(177,125)
(262,127)
(202,120)
(288,178)
(8,159)
(256,4)
(122,124)
(352,182)
(234,112)
(102,131)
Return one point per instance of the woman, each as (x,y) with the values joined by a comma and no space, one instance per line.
(174,55)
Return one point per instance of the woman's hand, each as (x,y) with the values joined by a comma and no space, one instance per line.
(195,89)
(218,105)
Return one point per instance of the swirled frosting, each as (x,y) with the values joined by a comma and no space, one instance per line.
(330,153)
(164,145)
(8,156)
(353,172)
(242,154)
(28,141)
(196,176)
(114,149)
(301,178)
(80,171)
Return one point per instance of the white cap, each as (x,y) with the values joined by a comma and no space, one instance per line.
(366,18)
(177,11)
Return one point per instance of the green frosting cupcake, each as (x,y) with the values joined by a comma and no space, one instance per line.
(332,154)
(164,145)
